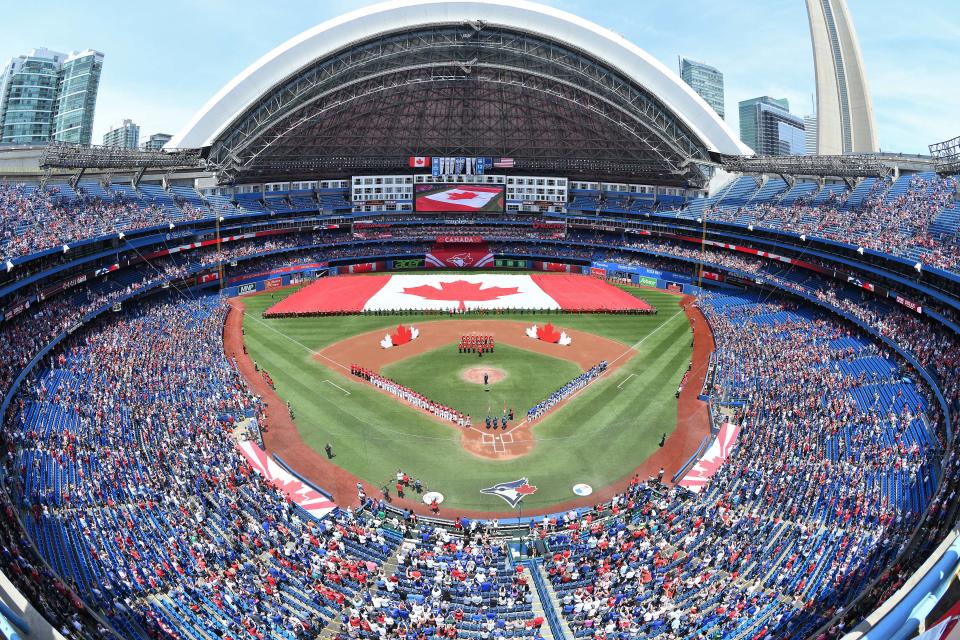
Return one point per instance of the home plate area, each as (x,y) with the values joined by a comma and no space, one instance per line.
(457,293)
(497,442)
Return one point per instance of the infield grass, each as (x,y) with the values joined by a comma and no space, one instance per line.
(598,438)
(530,378)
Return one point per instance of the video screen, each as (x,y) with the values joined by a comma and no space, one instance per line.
(487,198)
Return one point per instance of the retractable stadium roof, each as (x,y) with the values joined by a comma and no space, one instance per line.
(506,78)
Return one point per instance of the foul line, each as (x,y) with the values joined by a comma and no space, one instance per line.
(337,386)
(296,342)
(602,375)
(624,381)
(644,338)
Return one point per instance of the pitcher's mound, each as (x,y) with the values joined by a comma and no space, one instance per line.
(475,374)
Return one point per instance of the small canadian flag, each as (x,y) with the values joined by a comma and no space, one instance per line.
(419,161)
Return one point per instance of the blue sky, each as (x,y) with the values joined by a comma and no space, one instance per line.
(164,60)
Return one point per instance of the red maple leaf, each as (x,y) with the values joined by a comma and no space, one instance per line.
(526,489)
(463,195)
(403,335)
(547,333)
(461,291)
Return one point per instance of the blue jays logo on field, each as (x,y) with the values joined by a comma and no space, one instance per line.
(512,492)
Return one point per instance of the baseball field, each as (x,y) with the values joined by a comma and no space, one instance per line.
(597,437)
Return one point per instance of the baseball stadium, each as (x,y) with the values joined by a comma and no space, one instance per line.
(472,319)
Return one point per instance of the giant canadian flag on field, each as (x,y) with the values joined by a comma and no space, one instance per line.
(445,292)
(451,291)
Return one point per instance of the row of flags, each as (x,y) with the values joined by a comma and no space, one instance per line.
(460,165)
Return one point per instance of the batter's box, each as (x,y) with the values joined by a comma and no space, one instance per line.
(487,438)
(507,438)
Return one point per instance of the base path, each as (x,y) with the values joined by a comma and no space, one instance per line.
(281,436)
(586,350)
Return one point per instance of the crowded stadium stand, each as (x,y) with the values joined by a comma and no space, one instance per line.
(832,292)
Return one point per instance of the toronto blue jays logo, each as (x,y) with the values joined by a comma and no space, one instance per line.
(461,260)
(512,492)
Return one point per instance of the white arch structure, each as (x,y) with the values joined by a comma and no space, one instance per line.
(396,15)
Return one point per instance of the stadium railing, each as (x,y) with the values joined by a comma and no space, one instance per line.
(693,459)
(899,617)
(557,628)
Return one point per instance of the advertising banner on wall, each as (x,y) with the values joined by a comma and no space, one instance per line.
(641,271)
(408,263)
(260,275)
(365,267)
(554,266)
(459,256)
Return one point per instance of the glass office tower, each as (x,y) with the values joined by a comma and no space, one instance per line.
(707,81)
(46,95)
(768,127)
(28,97)
(77,97)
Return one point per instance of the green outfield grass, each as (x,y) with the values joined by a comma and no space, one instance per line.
(598,438)
(531,377)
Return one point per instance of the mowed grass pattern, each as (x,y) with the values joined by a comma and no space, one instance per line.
(597,439)
(531,377)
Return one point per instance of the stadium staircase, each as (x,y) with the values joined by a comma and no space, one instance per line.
(546,605)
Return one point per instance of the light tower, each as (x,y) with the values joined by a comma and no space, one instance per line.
(844,111)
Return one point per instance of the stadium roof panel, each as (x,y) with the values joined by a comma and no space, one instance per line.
(493,61)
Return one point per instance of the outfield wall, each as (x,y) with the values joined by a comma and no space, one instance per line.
(637,275)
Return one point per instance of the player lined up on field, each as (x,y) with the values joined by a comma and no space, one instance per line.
(567,390)
(410,396)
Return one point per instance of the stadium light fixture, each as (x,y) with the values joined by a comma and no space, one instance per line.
(172,226)
(9,266)
(860,250)
(918,267)
(803,237)
(66,248)
(120,235)
(749,227)
(699,220)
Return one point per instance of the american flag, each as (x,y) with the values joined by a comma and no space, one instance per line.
(503,163)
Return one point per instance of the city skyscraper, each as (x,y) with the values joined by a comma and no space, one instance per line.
(844,110)
(155,142)
(125,136)
(707,81)
(28,97)
(768,127)
(77,97)
(47,95)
